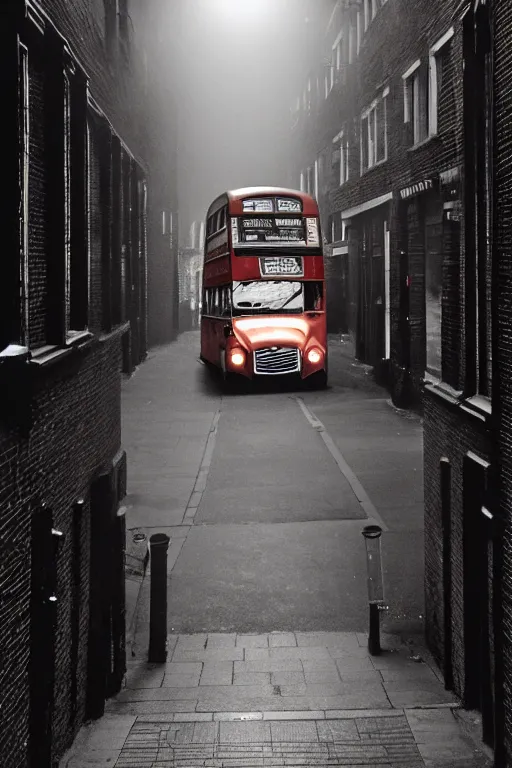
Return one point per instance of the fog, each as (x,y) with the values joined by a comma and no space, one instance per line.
(242,64)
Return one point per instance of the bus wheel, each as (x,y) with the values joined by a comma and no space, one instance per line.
(317,380)
(230,381)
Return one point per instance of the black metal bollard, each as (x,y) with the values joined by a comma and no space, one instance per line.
(372,534)
(158,544)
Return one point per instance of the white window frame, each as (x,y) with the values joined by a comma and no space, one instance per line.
(337,52)
(432,80)
(309,176)
(367,113)
(359,31)
(405,80)
(340,142)
(367,13)
(411,90)
(302,182)
(352,40)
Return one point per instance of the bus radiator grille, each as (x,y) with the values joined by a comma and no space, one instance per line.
(276,360)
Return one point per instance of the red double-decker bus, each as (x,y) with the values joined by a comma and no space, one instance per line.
(263,304)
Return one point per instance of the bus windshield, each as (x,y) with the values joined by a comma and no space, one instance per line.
(269,296)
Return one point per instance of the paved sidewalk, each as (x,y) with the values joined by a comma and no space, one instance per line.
(295,698)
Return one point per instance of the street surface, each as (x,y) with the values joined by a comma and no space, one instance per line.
(276,538)
(264,492)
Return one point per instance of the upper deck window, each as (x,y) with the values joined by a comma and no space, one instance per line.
(270,205)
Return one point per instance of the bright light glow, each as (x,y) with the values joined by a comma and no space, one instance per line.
(237,358)
(243,10)
(314,355)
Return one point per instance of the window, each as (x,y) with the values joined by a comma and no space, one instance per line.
(302,182)
(67,198)
(433,284)
(309,180)
(352,41)
(370,10)
(435,79)
(374,148)
(416,102)
(330,229)
(359,31)
(340,158)
(337,59)
(24,172)
(479,222)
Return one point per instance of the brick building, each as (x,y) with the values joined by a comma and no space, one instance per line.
(85,220)
(190,262)
(407,146)
(377,142)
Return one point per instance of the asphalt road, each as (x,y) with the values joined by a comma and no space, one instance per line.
(273,540)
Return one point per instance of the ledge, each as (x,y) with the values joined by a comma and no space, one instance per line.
(443,390)
(53,353)
(477,406)
(118,330)
(423,143)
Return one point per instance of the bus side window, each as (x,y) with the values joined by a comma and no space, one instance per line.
(222,218)
(313,296)
(226,304)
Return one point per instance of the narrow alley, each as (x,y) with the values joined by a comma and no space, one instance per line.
(264,493)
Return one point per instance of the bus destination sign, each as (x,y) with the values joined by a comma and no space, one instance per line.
(266,229)
(289,265)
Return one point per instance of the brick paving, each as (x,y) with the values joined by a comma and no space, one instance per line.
(280,699)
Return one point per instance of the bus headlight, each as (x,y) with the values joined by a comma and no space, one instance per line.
(237,357)
(314,355)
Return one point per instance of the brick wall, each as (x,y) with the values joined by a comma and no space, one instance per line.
(394,40)
(126,81)
(452,437)
(60,419)
(457,424)
(502,360)
(76,433)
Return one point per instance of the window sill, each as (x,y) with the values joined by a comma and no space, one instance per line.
(118,330)
(441,389)
(49,355)
(372,168)
(477,406)
(423,143)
